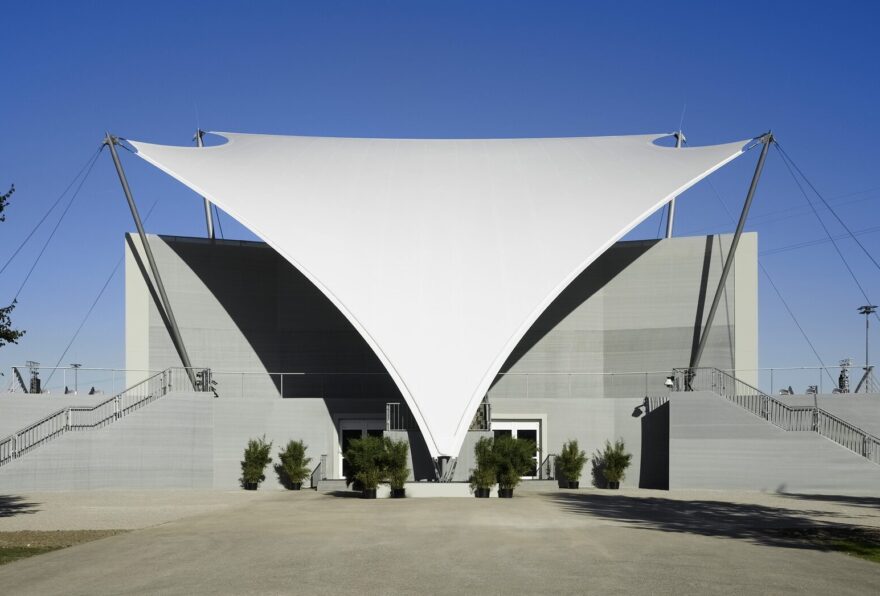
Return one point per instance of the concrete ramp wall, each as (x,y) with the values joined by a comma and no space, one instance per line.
(715,444)
(166,444)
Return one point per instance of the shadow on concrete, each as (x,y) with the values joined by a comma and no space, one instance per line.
(12,505)
(857,501)
(345,494)
(772,526)
(595,277)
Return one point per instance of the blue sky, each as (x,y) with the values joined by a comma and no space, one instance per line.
(155,71)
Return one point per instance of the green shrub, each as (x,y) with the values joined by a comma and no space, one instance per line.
(396,470)
(483,475)
(366,461)
(614,460)
(294,463)
(570,461)
(256,458)
(513,458)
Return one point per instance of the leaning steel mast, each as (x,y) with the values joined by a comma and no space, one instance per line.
(165,304)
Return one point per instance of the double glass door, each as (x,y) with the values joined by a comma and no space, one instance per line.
(522,429)
(355,429)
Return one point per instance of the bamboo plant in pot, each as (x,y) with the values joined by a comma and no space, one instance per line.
(615,461)
(513,458)
(570,463)
(366,458)
(293,469)
(256,458)
(397,471)
(483,476)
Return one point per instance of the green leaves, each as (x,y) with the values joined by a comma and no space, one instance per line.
(294,463)
(570,461)
(256,458)
(373,460)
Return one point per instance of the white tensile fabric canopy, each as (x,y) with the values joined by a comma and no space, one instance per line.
(442,253)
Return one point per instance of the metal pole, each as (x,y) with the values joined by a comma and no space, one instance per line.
(209,218)
(767,139)
(111,141)
(670,206)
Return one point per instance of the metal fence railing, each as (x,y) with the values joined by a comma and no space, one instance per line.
(786,417)
(320,472)
(398,417)
(74,418)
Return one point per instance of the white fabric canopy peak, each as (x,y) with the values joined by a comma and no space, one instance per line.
(442,253)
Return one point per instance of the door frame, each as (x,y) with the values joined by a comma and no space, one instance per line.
(541,419)
(352,422)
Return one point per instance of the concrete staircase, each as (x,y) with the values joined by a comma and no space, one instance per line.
(715,443)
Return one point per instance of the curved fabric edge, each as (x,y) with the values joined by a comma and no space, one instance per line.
(386,362)
(492,372)
(449,445)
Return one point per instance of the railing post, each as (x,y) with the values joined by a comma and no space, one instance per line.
(67,420)
(282,385)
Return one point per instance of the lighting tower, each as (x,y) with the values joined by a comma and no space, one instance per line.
(867,310)
(75,367)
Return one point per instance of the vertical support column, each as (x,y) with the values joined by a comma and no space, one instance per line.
(176,339)
(670,206)
(209,218)
(767,139)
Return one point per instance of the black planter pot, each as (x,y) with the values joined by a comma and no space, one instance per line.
(505,493)
(251,485)
(481,493)
(296,485)
(614,485)
(398,493)
(574,484)
(368,493)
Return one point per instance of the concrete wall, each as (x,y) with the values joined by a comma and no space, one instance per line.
(246,313)
(166,444)
(18,410)
(715,444)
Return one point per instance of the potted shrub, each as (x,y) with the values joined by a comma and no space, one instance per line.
(483,476)
(256,458)
(513,458)
(570,463)
(396,454)
(366,459)
(293,469)
(615,461)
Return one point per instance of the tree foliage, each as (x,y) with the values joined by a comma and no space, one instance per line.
(8,335)
(294,463)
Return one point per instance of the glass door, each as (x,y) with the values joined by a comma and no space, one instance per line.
(355,429)
(522,429)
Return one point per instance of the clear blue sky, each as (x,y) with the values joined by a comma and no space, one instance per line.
(155,70)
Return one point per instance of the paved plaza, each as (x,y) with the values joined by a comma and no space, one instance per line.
(589,541)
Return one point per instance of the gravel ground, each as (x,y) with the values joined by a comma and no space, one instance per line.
(114,510)
(560,542)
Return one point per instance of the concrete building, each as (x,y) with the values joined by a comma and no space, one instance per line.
(440,309)
(577,374)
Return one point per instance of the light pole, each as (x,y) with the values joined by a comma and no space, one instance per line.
(867,310)
(75,368)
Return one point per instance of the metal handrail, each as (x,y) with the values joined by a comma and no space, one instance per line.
(786,417)
(547,469)
(320,472)
(74,418)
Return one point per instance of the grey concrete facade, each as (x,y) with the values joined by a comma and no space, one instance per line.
(246,313)
(715,444)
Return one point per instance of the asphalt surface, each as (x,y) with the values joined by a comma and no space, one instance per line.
(583,542)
